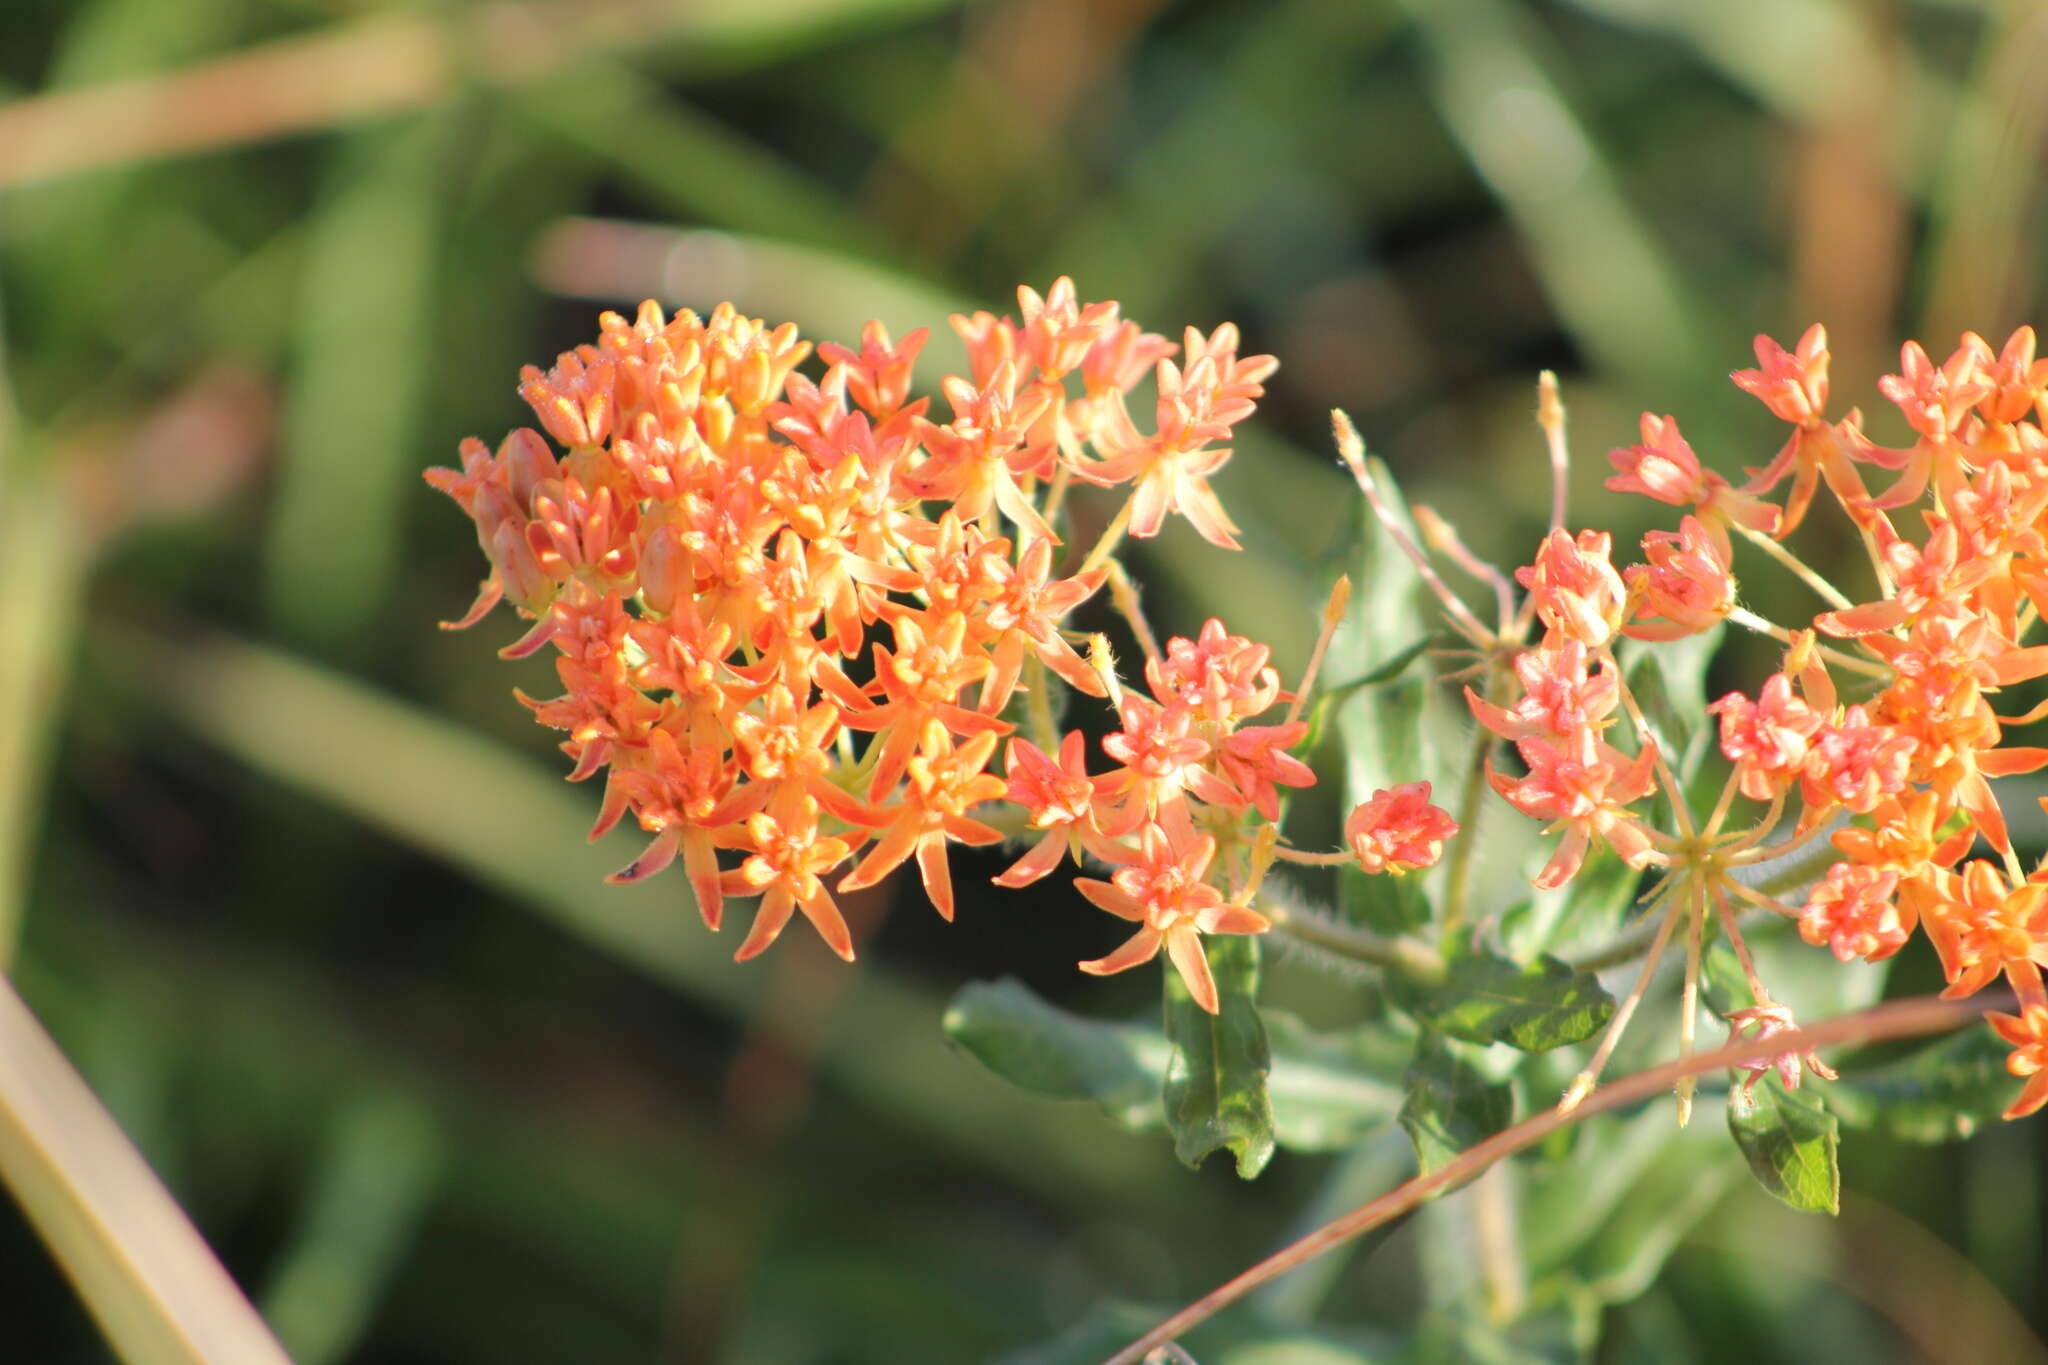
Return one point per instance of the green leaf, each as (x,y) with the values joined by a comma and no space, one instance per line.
(1721,981)
(1936,1093)
(1790,1143)
(1042,1048)
(1320,710)
(1328,1090)
(1393,731)
(1488,999)
(1450,1106)
(1216,1075)
(1580,916)
(1332,1090)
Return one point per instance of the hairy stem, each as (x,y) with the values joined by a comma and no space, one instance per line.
(1411,957)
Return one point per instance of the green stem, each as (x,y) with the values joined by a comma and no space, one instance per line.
(1411,957)
(156,1290)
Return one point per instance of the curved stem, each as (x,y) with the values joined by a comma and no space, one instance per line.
(1899,1019)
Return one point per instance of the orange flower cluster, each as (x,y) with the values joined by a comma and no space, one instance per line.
(723,536)
(1893,759)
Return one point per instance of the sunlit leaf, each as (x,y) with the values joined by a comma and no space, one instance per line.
(1485,998)
(1790,1144)
(1669,680)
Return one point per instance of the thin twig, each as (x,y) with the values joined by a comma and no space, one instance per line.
(1899,1019)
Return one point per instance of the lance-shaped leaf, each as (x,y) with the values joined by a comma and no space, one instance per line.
(1936,1093)
(1790,1143)
(1040,1047)
(1395,730)
(1450,1104)
(1328,1089)
(1485,998)
(1216,1075)
(1392,670)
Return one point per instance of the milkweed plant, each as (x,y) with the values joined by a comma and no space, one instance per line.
(813,626)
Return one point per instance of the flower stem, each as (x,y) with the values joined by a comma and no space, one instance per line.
(1583,1084)
(1124,594)
(1798,566)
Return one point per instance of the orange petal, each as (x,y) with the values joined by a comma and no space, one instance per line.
(1136,950)
(1184,946)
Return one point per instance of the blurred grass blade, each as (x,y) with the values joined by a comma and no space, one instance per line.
(350,423)
(42,572)
(702,168)
(1987,193)
(153,1285)
(383,1159)
(500,819)
(830,294)
(1610,282)
(1247,132)
(379,66)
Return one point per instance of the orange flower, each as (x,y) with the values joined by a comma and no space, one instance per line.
(1577,593)
(944,783)
(784,868)
(2028,1034)
(1981,925)
(1164,891)
(1398,830)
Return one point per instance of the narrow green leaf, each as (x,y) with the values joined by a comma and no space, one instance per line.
(1328,1090)
(1397,729)
(1216,1076)
(376,1180)
(1393,669)
(1488,999)
(365,331)
(1721,980)
(1578,917)
(1936,1093)
(1042,1048)
(1450,1106)
(1385,904)
(1790,1143)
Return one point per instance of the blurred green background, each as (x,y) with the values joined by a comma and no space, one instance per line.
(295,881)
